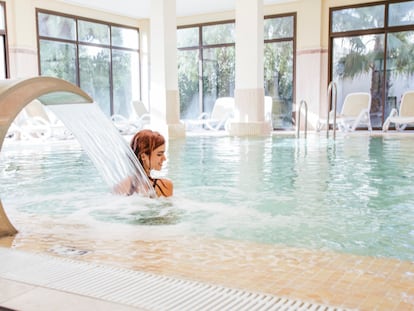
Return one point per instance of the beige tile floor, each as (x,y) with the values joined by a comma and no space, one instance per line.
(26,297)
(342,280)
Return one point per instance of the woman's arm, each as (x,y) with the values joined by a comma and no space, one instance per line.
(163,187)
(125,187)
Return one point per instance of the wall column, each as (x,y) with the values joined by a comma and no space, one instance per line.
(164,96)
(249,92)
(312,60)
(21,25)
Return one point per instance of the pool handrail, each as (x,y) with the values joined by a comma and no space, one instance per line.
(15,94)
(331,99)
(306,118)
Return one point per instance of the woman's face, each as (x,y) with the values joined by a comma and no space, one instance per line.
(156,160)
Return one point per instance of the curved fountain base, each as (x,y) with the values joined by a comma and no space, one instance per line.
(6,228)
(15,94)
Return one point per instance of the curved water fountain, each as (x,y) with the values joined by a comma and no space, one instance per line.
(15,94)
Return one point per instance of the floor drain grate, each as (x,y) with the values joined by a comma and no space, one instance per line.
(138,289)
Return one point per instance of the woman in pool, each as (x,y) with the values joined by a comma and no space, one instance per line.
(149,147)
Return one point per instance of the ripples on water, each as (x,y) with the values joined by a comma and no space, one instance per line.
(352,195)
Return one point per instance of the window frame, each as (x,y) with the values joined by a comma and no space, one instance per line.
(385,30)
(200,47)
(287,39)
(3,34)
(79,43)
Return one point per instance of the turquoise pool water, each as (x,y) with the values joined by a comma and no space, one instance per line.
(352,195)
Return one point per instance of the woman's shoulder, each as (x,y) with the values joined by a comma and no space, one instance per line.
(164,187)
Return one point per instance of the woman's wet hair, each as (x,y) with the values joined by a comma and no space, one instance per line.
(145,141)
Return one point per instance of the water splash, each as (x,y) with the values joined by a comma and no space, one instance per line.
(107,149)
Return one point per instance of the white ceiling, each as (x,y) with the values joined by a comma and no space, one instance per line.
(141,8)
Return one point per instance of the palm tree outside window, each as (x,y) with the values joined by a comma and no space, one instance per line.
(371,50)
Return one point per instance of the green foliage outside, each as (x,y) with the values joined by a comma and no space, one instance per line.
(216,71)
(366,53)
(105,73)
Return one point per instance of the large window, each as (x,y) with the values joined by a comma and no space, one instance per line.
(4,72)
(279,62)
(101,58)
(206,66)
(372,50)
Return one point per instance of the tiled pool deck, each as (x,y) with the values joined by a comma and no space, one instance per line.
(347,281)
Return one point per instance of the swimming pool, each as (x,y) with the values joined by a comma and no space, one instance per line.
(352,195)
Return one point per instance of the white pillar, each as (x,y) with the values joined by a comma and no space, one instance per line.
(21,20)
(249,92)
(312,61)
(164,96)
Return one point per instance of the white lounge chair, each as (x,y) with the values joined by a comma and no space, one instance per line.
(139,118)
(355,112)
(223,111)
(15,132)
(404,116)
(35,121)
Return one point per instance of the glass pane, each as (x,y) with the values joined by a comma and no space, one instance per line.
(94,75)
(218,75)
(278,71)
(2,58)
(218,34)
(125,37)
(358,66)
(279,27)
(2,17)
(57,26)
(368,17)
(400,67)
(125,75)
(58,60)
(93,32)
(188,84)
(187,37)
(401,13)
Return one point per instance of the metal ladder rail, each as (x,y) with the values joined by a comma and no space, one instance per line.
(332,98)
(306,118)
